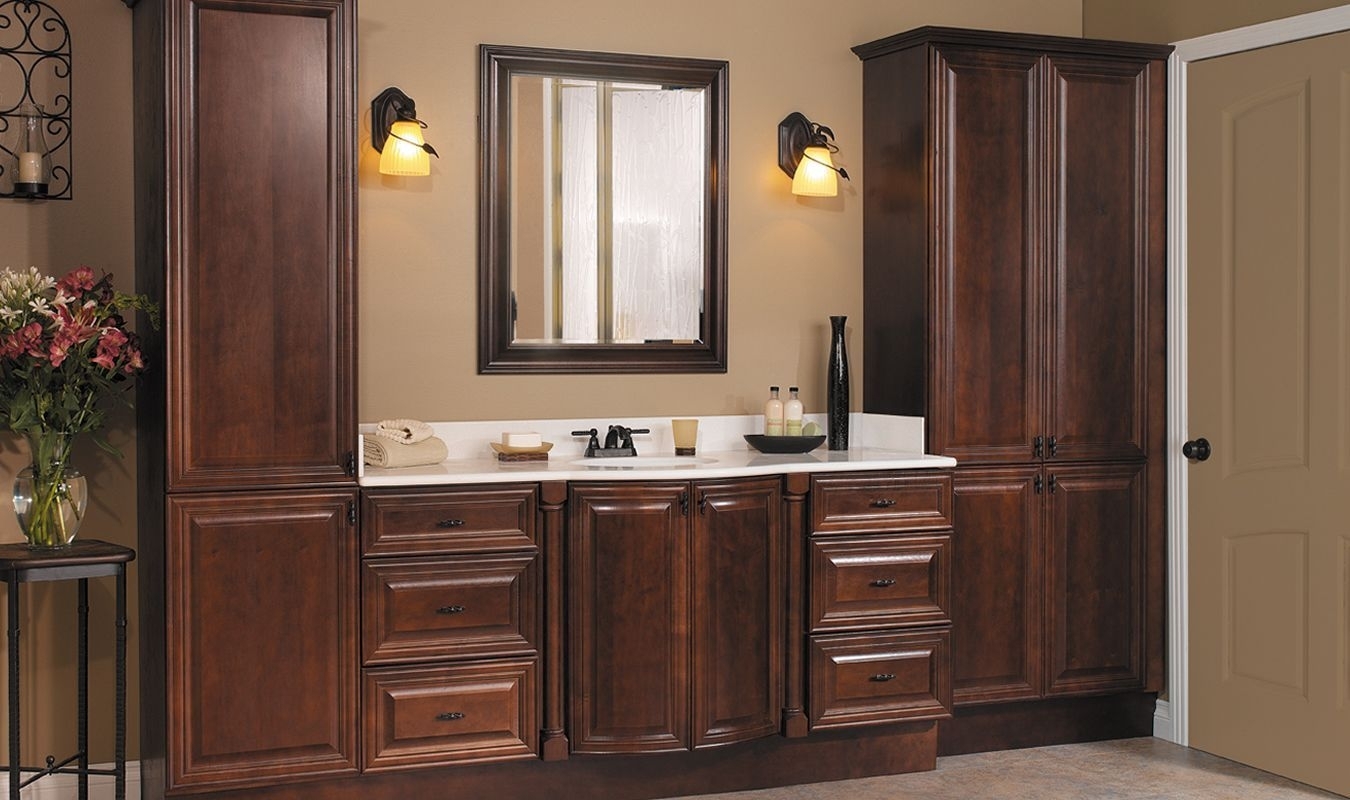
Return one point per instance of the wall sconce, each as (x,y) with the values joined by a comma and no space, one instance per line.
(396,132)
(35,118)
(804,150)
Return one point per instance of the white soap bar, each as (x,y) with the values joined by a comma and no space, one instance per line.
(522,439)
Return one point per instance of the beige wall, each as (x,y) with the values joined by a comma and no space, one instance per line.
(94,228)
(1172,21)
(792,262)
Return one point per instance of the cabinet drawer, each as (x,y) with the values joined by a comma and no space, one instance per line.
(408,521)
(469,713)
(868,679)
(456,607)
(880,581)
(881,502)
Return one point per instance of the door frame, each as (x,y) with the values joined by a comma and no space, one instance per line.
(1171,720)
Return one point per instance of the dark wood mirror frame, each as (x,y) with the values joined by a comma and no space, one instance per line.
(497,351)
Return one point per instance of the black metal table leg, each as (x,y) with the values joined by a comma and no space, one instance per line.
(83,761)
(14,771)
(120,754)
(80,560)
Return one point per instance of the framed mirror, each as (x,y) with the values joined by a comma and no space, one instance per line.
(602,212)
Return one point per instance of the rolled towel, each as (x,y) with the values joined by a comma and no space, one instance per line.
(405,431)
(388,453)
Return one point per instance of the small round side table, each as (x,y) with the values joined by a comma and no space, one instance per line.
(81,560)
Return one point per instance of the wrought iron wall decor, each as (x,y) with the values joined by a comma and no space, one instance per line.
(35,129)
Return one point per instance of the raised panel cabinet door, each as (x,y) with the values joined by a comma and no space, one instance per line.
(738,608)
(1095,562)
(259,300)
(1106,257)
(985,351)
(628,617)
(262,616)
(996,584)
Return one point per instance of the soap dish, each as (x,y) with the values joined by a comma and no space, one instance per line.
(784,444)
(506,449)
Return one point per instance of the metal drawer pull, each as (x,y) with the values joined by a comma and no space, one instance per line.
(450,716)
(882,583)
(884,503)
(450,610)
(883,677)
(450,523)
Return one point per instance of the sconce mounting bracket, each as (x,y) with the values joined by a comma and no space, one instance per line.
(795,134)
(388,107)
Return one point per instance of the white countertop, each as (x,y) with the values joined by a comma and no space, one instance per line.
(892,443)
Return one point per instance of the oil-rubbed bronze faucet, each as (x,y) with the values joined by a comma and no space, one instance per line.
(618,441)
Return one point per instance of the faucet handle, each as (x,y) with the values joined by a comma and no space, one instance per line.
(593,444)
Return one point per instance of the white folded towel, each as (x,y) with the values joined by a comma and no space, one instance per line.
(406,431)
(388,453)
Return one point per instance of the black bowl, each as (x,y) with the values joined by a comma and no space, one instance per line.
(784,444)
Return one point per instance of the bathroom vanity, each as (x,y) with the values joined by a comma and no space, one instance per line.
(508,631)
(591,610)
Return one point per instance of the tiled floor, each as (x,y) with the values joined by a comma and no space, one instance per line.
(1126,769)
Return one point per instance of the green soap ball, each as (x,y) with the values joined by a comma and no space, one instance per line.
(810,429)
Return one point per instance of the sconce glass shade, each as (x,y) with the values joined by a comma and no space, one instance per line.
(815,176)
(403,153)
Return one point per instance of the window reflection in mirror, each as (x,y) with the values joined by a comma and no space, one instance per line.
(602,199)
(610,175)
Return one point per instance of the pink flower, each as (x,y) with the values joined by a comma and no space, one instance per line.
(134,361)
(110,344)
(77,280)
(27,339)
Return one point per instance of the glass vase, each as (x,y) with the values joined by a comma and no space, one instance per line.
(50,496)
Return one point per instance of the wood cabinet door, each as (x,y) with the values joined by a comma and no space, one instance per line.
(1106,256)
(985,348)
(996,584)
(1095,562)
(261,322)
(262,616)
(737,567)
(628,617)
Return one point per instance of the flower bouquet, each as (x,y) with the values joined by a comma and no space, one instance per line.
(64,346)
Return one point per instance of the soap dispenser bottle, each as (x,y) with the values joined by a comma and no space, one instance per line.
(792,413)
(773,414)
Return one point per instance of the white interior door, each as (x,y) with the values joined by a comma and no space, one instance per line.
(1268,141)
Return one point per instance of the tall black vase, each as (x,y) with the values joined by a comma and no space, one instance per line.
(836,397)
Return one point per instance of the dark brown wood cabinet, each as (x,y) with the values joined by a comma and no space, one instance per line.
(245,208)
(261,591)
(879,569)
(451,608)
(1014,296)
(675,614)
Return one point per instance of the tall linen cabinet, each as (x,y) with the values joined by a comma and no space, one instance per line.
(245,203)
(1014,296)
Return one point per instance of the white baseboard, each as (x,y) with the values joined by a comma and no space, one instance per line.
(66,787)
(1162,721)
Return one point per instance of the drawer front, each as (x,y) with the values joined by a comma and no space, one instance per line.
(880,502)
(409,521)
(469,713)
(870,679)
(865,582)
(455,607)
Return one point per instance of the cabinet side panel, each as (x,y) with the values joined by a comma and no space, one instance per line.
(895,241)
(260,315)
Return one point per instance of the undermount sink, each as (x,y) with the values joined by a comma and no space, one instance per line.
(643,462)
